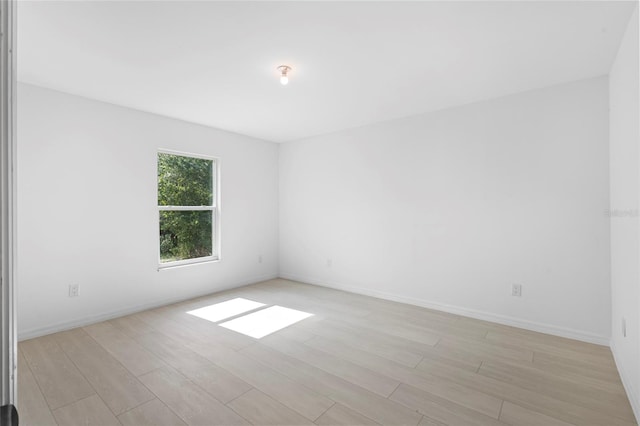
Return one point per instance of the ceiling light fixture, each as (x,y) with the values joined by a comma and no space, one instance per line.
(284,71)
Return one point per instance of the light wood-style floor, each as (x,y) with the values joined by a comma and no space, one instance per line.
(357,361)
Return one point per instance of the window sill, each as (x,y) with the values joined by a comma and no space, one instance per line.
(184,263)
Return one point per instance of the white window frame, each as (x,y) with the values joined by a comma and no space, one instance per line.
(214,208)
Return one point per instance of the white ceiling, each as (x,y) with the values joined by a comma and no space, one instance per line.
(353,63)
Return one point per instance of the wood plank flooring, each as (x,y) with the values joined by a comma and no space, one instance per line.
(356,361)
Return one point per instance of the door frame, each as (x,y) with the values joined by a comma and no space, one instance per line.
(8,338)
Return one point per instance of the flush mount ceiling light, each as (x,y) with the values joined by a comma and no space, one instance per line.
(284,71)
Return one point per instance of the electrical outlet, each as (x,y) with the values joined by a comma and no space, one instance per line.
(74,290)
(516,290)
(260,259)
(329,263)
(624,327)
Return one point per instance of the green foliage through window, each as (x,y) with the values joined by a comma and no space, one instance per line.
(187,211)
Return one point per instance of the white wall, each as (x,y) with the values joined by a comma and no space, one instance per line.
(624,136)
(87,210)
(448,209)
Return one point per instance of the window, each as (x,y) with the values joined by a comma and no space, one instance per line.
(187,208)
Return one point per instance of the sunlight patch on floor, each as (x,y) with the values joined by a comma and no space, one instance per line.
(224,310)
(265,321)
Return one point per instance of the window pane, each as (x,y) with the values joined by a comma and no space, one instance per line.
(185,235)
(184,181)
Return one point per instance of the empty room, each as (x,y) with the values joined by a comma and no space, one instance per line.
(319,212)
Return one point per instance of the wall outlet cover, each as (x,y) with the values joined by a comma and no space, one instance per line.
(74,290)
(516,290)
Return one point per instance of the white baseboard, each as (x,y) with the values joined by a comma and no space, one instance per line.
(104,316)
(458,310)
(632,395)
